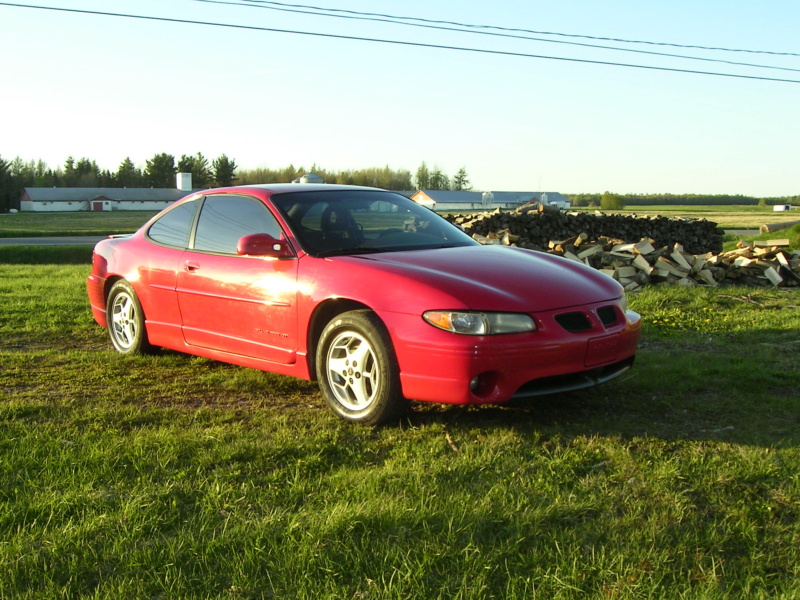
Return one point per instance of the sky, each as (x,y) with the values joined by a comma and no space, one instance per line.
(517,115)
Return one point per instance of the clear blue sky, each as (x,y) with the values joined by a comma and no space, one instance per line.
(107,88)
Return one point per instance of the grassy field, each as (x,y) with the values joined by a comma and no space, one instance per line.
(47,224)
(169,476)
(29,224)
(727,217)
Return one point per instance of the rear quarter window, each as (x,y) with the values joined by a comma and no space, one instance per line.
(174,227)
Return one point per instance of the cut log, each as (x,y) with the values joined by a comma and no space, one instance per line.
(664,263)
(708,277)
(772,243)
(773,276)
(770,227)
(590,251)
(644,247)
(640,262)
(677,256)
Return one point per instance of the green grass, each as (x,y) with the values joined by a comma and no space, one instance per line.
(792,234)
(170,476)
(38,255)
(31,224)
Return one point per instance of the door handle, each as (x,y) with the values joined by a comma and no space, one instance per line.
(191,266)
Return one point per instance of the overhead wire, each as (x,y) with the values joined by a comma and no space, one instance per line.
(519,30)
(397,42)
(324,12)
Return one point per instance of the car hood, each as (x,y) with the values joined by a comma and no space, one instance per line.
(499,277)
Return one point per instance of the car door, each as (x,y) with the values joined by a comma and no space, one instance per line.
(237,304)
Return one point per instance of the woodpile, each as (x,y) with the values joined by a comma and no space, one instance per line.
(646,261)
(533,228)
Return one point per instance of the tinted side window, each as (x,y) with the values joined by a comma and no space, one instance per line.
(225,219)
(174,227)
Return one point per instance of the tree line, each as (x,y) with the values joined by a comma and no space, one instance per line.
(160,171)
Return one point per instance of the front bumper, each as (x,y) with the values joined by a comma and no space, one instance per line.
(438,366)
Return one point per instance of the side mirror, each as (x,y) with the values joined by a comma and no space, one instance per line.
(263,244)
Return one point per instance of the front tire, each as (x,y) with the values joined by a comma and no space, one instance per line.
(357,369)
(125,320)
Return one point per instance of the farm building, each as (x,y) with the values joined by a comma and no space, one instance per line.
(444,200)
(97,199)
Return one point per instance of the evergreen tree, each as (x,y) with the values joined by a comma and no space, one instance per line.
(423,177)
(160,171)
(197,165)
(6,186)
(88,173)
(439,181)
(461,180)
(70,177)
(224,170)
(128,176)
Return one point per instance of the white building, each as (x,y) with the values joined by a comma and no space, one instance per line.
(447,200)
(97,199)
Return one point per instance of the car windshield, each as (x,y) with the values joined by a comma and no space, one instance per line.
(347,221)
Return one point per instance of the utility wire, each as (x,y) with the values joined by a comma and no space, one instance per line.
(511,29)
(396,42)
(262,4)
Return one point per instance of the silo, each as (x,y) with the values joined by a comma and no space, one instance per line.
(184,182)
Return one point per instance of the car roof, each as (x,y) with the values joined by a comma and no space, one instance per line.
(280,188)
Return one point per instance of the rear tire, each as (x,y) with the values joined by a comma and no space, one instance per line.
(357,369)
(125,320)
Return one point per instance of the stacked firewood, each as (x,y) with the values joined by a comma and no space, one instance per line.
(533,227)
(646,262)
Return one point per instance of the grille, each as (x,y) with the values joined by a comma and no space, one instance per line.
(574,322)
(607,314)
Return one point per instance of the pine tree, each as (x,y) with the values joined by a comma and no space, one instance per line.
(461,180)
(224,170)
(160,171)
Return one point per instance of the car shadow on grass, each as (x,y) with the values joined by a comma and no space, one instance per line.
(769,420)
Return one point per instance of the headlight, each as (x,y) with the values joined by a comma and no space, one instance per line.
(479,323)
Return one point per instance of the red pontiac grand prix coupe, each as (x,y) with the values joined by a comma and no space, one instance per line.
(378,298)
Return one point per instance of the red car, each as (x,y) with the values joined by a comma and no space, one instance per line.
(375,296)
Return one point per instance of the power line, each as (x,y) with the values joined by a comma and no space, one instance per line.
(306,10)
(534,32)
(397,42)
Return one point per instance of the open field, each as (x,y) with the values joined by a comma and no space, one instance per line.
(29,224)
(169,476)
(727,217)
(47,224)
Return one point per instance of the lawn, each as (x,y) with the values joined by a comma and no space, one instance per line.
(32,224)
(169,476)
